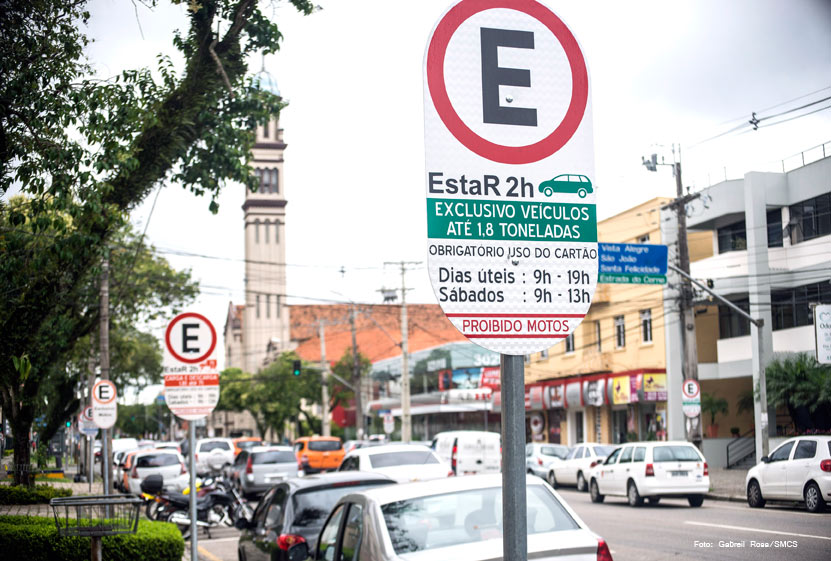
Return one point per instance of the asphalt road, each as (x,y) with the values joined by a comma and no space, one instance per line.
(670,530)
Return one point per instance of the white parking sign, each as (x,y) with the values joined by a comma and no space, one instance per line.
(511,219)
(191,377)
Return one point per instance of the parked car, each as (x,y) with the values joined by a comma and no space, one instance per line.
(293,512)
(469,452)
(401,462)
(798,470)
(567,183)
(167,463)
(652,471)
(119,460)
(257,469)
(451,519)
(539,457)
(169,445)
(246,442)
(127,464)
(574,470)
(213,454)
(318,453)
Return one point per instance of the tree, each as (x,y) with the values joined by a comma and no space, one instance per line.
(88,151)
(712,405)
(802,385)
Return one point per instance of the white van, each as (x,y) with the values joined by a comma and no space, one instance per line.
(470,452)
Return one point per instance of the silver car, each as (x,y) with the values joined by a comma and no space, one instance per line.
(458,518)
(257,469)
(539,456)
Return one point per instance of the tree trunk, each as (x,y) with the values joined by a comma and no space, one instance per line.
(22,452)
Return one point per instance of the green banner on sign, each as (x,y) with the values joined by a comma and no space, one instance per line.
(631,279)
(464,219)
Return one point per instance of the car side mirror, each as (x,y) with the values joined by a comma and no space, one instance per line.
(298,552)
(242,523)
(765,459)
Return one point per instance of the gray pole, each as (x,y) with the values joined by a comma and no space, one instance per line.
(324,383)
(514,537)
(406,419)
(104,359)
(91,447)
(357,381)
(194,555)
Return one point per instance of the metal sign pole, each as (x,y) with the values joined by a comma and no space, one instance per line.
(91,446)
(514,523)
(194,555)
(104,463)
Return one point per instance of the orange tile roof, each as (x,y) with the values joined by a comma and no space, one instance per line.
(378,330)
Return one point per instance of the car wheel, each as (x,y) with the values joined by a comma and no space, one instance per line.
(695,500)
(754,495)
(582,193)
(582,486)
(548,191)
(552,479)
(632,494)
(594,491)
(530,471)
(813,498)
(653,500)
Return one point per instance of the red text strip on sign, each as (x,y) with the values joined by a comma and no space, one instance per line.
(515,326)
(173,380)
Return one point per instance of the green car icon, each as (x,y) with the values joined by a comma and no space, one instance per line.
(567,183)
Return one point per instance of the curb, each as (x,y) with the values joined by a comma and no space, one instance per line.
(721,497)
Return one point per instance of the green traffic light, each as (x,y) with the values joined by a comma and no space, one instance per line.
(296,367)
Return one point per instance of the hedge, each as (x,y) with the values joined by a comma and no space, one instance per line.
(32,538)
(39,494)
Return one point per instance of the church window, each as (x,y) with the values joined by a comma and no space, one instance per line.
(258,306)
(257,231)
(268,305)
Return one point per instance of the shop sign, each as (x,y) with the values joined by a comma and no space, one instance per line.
(490,378)
(655,387)
(553,397)
(537,425)
(593,392)
(573,395)
(533,398)
(622,390)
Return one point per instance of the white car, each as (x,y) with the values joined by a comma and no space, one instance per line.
(167,463)
(469,452)
(458,519)
(574,470)
(213,454)
(652,470)
(798,470)
(402,462)
(540,456)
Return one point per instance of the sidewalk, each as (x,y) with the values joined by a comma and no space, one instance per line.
(727,485)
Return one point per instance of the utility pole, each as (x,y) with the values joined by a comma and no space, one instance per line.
(357,380)
(324,371)
(687,310)
(406,419)
(104,360)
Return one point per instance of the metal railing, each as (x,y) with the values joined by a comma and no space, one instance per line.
(96,515)
(740,448)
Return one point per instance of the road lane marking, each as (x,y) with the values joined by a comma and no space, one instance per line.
(745,528)
(218,540)
(766,510)
(207,554)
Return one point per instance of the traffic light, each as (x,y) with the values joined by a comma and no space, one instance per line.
(68,424)
(296,367)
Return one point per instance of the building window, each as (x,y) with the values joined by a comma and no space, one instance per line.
(258,306)
(646,326)
(544,353)
(276,231)
(265,129)
(791,307)
(643,239)
(274,183)
(257,231)
(774,221)
(597,335)
(730,323)
(578,427)
(527,359)
(810,219)
(620,332)
(268,305)
(267,227)
(570,344)
(732,238)
(277,305)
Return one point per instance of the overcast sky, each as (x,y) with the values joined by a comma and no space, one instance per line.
(661,73)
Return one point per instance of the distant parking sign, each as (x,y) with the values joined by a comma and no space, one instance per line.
(511,219)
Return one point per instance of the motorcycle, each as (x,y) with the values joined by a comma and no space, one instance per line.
(214,508)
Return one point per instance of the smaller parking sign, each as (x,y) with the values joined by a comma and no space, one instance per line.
(691,398)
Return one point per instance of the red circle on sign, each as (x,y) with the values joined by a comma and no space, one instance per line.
(100,383)
(438,89)
(697,388)
(176,355)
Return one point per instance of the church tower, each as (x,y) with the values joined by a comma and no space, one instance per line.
(265,322)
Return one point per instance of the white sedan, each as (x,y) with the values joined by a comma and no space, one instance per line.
(574,470)
(539,457)
(402,462)
(798,470)
(458,518)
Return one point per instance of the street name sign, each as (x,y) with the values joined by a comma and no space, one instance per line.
(104,407)
(691,398)
(822,332)
(191,378)
(632,263)
(511,218)
(389,423)
(86,424)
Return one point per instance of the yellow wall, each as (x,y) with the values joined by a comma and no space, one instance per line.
(731,390)
(706,333)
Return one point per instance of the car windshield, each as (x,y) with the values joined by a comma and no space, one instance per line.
(556,451)
(274,457)
(209,446)
(675,454)
(312,506)
(404,458)
(157,460)
(602,451)
(246,444)
(462,517)
(324,445)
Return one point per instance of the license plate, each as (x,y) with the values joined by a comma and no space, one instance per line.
(679,473)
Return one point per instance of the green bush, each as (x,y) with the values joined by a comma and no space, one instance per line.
(39,494)
(36,539)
